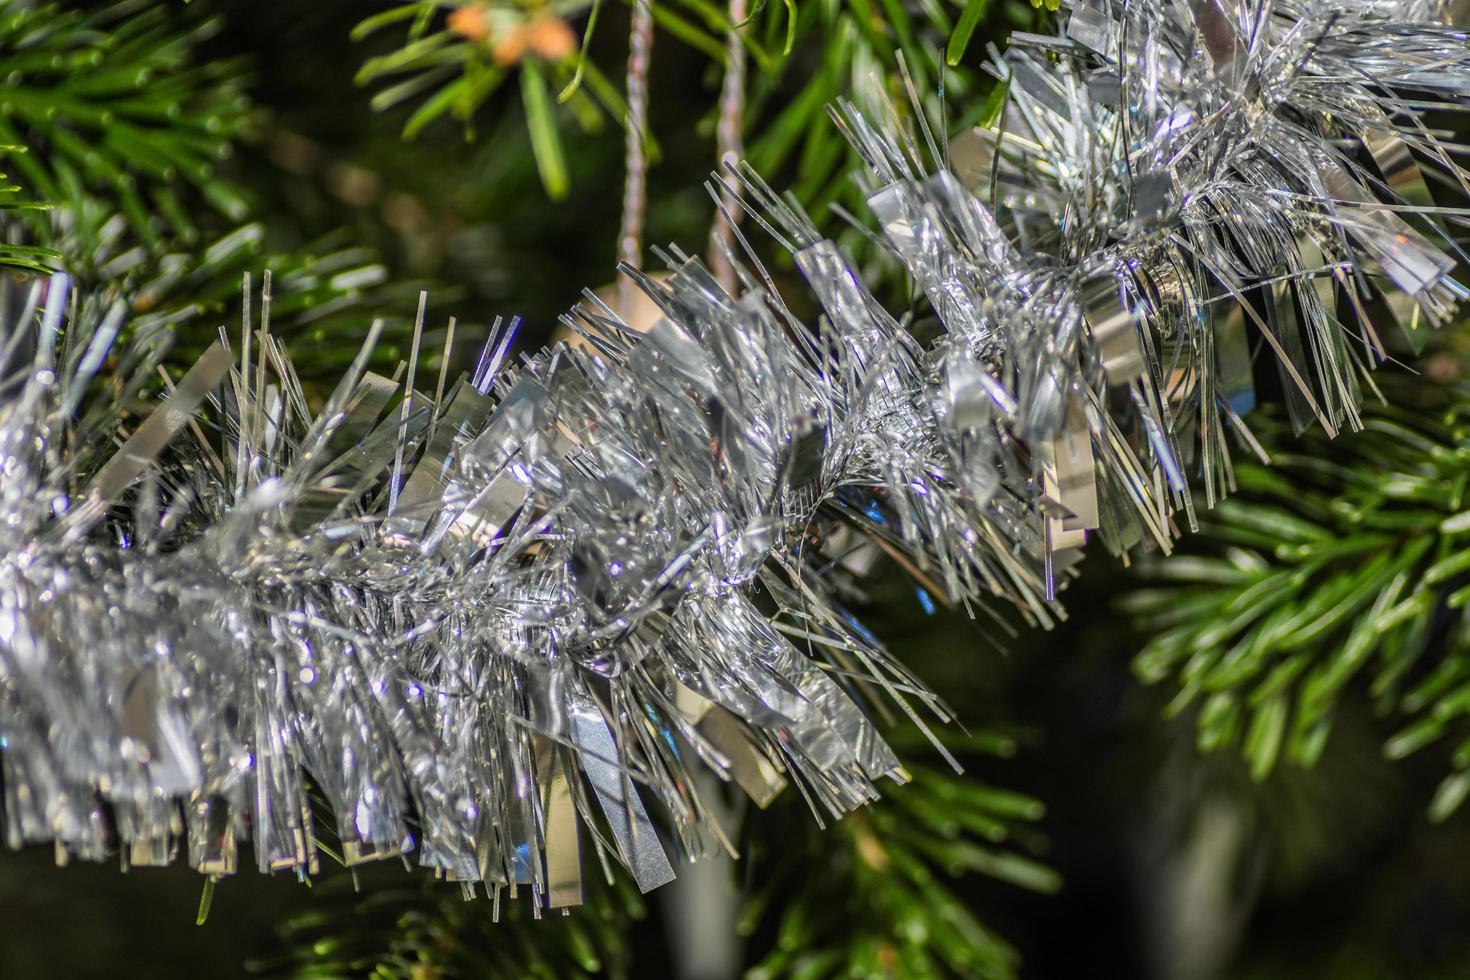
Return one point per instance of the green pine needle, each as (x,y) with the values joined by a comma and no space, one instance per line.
(1341,564)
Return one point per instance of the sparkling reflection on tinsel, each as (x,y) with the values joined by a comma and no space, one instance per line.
(497,625)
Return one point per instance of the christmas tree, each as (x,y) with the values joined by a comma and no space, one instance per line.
(1077,440)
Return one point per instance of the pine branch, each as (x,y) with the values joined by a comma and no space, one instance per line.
(25,258)
(323,295)
(881,906)
(455,56)
(872,896)
(1345,561)
(86,88)
(112,105)
(423,929)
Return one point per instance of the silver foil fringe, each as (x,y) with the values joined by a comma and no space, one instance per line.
(491,625)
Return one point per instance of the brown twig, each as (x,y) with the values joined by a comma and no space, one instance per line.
(729,145)
(635,180)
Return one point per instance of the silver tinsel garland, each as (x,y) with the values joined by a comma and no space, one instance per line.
(539,598)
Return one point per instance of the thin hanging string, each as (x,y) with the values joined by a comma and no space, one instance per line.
(729,145)
(635,179)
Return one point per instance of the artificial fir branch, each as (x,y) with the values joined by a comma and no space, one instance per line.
(323,291)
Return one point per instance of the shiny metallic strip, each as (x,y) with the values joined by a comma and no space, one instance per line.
(165,422)
(632,830)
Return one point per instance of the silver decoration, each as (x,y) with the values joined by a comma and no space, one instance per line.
(496,625)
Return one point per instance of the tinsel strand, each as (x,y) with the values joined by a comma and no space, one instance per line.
(492,627)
